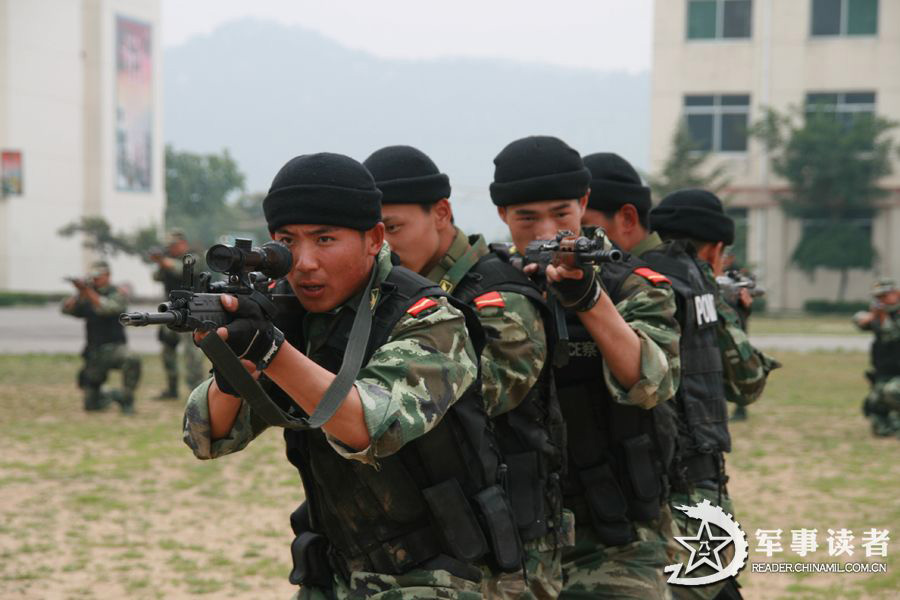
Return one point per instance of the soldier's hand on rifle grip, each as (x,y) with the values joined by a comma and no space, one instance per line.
(577,288)
(745,298)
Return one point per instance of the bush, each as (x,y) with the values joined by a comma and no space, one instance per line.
(17,298)
(821,306)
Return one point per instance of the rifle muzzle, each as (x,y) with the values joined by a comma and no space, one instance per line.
(139,319)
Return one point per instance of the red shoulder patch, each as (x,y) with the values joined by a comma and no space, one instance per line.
(423,304)
(489,299)
(651,276)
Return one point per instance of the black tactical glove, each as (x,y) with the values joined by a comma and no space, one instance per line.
(579,295)
(253,337)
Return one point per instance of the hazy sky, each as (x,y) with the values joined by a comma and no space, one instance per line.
(599,34)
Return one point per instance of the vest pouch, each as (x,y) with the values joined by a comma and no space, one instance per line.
(309,552)
(526,492)
(607,505)
(456,522)
(501,527)
(645,480)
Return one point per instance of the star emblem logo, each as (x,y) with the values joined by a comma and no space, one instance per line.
(707,549)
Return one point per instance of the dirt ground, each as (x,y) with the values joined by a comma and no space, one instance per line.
(103,505)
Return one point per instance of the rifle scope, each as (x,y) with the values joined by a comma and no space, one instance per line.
(273,259)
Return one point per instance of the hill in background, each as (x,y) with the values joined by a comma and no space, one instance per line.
(269,92)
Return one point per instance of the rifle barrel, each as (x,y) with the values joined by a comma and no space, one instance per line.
(139,319)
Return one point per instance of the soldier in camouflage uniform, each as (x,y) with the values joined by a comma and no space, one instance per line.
(100,303)
(622,367)
(169,273)
(691,231)
(403,481)
(882,405)
(518,392)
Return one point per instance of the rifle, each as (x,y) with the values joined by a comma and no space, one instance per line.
(733,281)
(78,282)
(197,305)
(570,250)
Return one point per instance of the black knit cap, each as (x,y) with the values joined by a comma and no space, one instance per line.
(405,175)
(615,183)
(323,189)
(695,214)
(538,168)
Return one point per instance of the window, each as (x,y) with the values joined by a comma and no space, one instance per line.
(718,19)
(718,123)
(845,106)
(844,17)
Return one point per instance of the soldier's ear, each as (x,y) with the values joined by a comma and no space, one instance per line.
(443,214)
(374,239)
(501,212)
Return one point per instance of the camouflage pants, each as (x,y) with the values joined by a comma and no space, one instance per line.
(542,568)
(98,362)
(192,357)
(633,571)
(409,586)
(882,406)
(684,526)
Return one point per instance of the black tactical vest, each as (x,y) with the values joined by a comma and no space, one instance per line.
(700,400)
(102,329)
(618,455)
(532,436)
(438,496)
(886,355)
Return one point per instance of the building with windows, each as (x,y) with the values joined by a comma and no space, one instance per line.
(80,134)
(718,63)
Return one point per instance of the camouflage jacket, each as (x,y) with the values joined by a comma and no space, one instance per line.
(649,310)
(428,357)
(516,346)
(101,322)
(745,368)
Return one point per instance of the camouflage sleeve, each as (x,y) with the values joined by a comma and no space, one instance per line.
(650,311)
(76,310)
(410,382)
(196,431)
(113,304)
(745,368)
(859,319)
(515,352)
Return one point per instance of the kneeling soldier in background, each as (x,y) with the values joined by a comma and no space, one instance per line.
(99,303)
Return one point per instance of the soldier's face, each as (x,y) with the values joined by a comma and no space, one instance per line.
(330,263)
(889,298)
(414,233)
(541,220)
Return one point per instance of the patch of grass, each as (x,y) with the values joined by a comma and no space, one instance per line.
(802,325)
(139,517)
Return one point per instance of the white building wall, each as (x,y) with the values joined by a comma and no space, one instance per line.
(57,77)
(778,66)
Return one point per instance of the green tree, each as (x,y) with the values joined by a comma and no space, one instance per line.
(685,168)
(99,237)
(201,189)
(832,166)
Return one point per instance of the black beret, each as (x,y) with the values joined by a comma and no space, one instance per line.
(405,175)
(323,189)
(538,168)
(615,183)
(695,214)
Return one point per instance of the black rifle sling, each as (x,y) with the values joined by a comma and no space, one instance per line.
(356,348)
(225,360)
